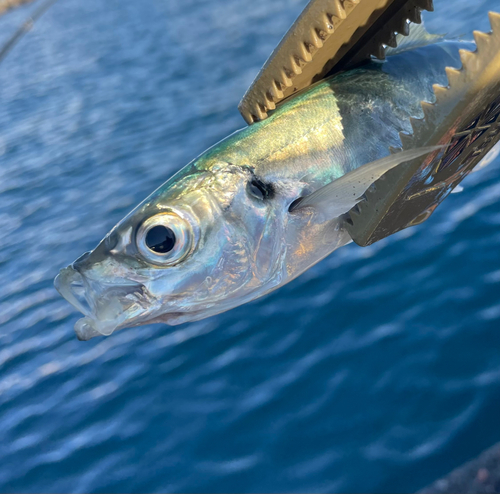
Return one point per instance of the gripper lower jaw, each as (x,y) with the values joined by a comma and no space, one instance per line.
(468,112)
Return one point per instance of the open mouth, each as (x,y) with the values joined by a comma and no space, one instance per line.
(105,308)
(70,284)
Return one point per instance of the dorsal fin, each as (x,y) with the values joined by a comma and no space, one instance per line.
(418,37)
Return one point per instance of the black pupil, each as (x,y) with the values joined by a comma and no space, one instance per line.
(160,239)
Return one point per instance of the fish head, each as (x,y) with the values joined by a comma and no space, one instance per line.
(208,240)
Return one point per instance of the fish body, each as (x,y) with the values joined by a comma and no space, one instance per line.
(223,231)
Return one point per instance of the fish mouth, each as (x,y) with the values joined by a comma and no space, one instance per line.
(106,308)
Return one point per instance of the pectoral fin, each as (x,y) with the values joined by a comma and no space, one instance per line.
(339,196)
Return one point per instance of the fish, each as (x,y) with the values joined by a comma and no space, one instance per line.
(262,206)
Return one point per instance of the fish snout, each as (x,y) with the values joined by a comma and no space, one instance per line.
(106,306)
(70,284)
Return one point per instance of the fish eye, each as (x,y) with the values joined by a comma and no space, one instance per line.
(160,239)
(165,239)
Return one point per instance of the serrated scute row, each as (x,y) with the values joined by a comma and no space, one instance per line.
(472,63)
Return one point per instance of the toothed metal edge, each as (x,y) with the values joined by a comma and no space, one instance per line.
(471,63)
(298,49)
(386,35)
(365,225)
(328,15)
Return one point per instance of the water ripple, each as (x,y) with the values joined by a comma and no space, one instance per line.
(375,371)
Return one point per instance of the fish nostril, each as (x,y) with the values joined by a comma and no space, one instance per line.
(111,240)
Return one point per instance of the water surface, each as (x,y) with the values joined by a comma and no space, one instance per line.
(378,370)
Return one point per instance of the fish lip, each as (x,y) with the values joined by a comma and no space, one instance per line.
(80,291)
(85,330)
(70,284)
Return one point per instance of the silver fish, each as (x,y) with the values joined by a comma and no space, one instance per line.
(262,206)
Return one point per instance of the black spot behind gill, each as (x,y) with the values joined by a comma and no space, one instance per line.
(259,189)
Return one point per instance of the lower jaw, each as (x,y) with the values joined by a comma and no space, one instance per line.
(85,330)
(87,327)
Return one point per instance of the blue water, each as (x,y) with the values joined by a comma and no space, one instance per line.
(378,370)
